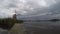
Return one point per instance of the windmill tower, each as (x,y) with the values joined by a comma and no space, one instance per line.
(14,16)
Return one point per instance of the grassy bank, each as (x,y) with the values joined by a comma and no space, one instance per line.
(7,23)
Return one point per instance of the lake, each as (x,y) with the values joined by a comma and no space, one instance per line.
(42,27)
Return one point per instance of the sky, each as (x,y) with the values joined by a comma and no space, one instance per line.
(30,8)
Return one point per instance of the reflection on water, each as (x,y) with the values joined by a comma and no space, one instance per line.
(47,27)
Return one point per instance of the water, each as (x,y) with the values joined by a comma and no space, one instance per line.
(2,31)
(42,27)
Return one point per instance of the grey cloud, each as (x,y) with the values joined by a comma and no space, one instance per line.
(52,11)
(7,8)
(31,8)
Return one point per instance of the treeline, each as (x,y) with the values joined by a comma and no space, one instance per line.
(55,20)
(7,23)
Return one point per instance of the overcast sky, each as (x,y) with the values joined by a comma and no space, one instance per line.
(30,8)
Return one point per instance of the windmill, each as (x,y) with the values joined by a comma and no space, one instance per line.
(15,15)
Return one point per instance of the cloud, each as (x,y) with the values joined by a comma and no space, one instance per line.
(30,8)
(49,9)
(7,8)
(41,7)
